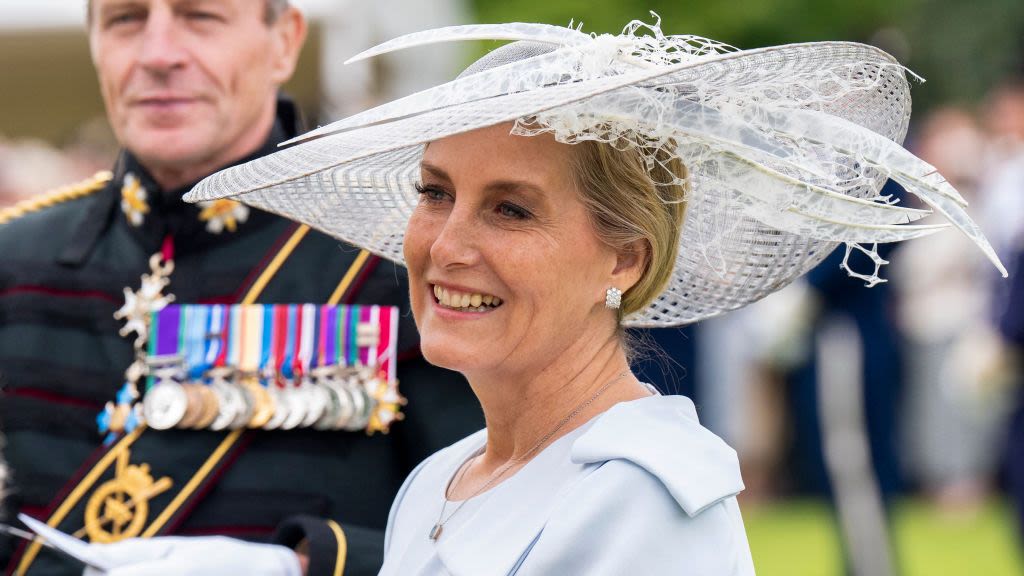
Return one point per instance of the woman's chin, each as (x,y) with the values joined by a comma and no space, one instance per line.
(439,356)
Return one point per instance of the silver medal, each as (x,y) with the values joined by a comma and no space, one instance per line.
(363,405)
(280,398)
(164,405)
(228,400)
(318,398)
(296,397)
(333,407)
(348,405)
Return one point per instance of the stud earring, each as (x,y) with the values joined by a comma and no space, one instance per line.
(613,298)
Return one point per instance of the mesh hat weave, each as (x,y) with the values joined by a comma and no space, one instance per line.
(787,149)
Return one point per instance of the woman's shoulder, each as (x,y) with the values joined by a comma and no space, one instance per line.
(660,438)
(659,498)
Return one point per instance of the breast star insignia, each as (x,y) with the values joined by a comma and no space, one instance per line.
(149,298)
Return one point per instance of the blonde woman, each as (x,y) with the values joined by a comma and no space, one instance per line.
(559,190)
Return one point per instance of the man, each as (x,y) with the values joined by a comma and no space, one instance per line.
(190,86)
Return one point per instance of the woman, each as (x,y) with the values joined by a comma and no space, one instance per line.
(559,190)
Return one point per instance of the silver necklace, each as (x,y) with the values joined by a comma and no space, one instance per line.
(435,532)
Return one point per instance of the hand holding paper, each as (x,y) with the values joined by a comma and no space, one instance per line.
(198,556)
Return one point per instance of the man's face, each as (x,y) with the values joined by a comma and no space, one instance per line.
(190,85)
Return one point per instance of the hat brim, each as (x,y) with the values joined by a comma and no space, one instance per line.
(356,182)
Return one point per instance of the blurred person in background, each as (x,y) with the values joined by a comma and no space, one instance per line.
(191,87)
(1003,201)
(29,167)
(1000,197)
(954,401)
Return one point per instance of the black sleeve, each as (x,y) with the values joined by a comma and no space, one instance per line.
(332,547)
(441,410)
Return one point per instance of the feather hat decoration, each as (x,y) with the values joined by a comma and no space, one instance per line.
(787,149)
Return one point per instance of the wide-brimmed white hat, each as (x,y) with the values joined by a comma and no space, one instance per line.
(787,149)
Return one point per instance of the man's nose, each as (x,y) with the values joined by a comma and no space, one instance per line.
(163,49)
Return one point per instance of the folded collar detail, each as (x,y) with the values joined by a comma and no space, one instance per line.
(662,435)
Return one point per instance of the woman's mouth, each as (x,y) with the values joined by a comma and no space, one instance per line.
(465,301)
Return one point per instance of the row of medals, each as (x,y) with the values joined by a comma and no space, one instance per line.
(332,398)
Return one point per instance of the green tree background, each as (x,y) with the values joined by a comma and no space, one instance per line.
(962,47)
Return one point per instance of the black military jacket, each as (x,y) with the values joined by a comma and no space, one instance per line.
(63,269)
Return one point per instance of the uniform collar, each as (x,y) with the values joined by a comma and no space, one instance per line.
(134,201)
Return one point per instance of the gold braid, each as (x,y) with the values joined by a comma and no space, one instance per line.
(58,196)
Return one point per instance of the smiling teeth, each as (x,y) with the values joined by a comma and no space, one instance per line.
(462,300)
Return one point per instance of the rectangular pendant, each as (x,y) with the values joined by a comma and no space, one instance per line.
(435,532)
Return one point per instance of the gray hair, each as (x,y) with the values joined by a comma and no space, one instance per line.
(272,10)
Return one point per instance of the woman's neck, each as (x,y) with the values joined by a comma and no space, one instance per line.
(532,407)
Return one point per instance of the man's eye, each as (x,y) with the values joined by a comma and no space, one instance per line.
(198,16)
(125,18)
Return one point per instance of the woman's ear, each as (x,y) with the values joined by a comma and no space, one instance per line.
(630,264)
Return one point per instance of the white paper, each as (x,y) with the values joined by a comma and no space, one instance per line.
(70,545)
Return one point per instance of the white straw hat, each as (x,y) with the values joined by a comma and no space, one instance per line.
(787,149)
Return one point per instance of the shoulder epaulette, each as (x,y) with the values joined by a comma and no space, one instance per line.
(54,197)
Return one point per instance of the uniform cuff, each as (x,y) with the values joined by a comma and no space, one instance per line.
(326,541)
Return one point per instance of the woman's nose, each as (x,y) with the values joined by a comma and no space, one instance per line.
(457,241)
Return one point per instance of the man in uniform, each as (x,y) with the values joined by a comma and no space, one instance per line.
(190,86)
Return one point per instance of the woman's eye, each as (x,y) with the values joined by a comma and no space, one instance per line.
(512,211)
(430,193)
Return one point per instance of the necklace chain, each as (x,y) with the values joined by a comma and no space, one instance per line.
(435,532)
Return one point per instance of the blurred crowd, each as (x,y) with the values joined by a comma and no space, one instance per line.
(29,167)
(937,373)
(930,350)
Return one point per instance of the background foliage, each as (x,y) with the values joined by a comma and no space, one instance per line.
(962,47)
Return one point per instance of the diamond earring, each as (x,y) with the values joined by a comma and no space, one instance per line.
(613,298)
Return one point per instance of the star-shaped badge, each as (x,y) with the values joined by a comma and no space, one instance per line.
(134,200)
(140,304)
(223,214)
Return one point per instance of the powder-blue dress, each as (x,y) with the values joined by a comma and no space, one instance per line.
(641,489)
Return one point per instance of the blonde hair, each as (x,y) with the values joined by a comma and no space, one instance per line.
(634,193)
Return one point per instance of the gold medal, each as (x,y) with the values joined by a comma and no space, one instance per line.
(194,407)
(263,407)
(210,407)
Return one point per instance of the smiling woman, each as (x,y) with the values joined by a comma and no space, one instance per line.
(565,186)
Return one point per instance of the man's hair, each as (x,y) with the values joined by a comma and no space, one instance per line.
(272,10)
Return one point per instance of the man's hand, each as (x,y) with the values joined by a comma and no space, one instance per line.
(199,556)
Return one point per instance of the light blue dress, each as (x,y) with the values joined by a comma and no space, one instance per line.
(641,489)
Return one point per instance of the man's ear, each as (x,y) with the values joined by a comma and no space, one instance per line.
(289,34)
